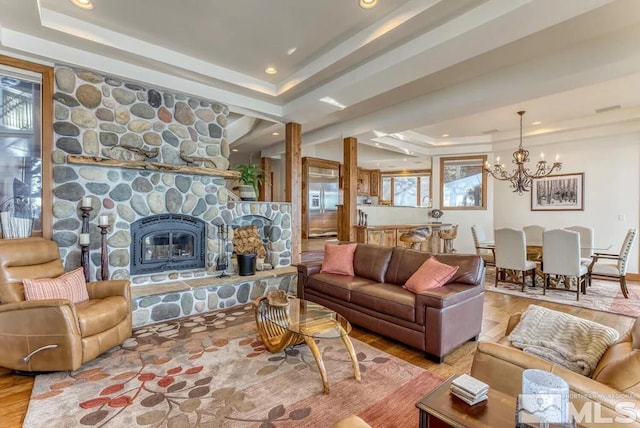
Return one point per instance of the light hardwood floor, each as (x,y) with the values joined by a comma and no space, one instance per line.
(15,390)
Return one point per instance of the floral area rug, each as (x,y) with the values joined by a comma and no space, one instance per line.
(212,371)
(602,295)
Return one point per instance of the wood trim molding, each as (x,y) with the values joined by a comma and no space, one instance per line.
(350,189)
(46,134)
(151,166)
(293,188)
(266,187)
(633,276)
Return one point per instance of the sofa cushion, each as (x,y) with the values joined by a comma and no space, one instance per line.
(470,267)
(70,286)
(338,259)
(338,286)
(98,315)
(371,261)
(431,274)
(388,299)
(404,262)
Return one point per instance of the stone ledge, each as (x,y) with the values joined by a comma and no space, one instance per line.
(138,291)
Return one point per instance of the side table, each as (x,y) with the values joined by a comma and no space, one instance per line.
(440,408)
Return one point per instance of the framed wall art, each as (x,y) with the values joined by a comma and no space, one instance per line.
(563,192)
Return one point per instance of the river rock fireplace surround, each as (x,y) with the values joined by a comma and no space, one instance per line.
(106,122)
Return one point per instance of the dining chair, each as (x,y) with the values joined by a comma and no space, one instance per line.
(533,235)
(561,257)
(511,254)
(613,267)
(480,242)
(587,242)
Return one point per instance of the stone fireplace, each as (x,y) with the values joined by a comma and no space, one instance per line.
(107,122)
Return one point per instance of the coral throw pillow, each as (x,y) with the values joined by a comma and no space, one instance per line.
(338,259)
(70,286)
(431,274)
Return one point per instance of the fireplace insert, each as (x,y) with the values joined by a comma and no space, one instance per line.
(167,242)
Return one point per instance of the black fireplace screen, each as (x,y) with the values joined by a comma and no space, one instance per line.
(167,242)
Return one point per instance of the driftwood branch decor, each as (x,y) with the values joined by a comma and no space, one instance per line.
(150,166)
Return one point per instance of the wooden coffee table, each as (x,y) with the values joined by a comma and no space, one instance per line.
(440,408)
(301,321)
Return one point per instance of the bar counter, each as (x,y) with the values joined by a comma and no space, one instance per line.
(388,235)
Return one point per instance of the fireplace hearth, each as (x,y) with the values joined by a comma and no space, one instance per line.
(167,242)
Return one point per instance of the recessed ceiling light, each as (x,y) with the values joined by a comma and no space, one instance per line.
(537,122)
(270,70)
(291,51)
(275,133)
(234,150)
(445,135)
(84,4)
(367,4)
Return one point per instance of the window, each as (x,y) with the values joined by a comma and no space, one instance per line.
(463,183)
(25,174)
(410,189)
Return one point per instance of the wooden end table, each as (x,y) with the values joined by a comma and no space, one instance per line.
(301,321)
(440,408)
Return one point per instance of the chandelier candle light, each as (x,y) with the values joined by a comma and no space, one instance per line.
(520,179)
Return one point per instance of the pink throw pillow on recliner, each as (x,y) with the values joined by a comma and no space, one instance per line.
(431,274)
(338,259)
(70,286)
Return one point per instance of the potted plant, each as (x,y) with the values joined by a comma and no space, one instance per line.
(250,177)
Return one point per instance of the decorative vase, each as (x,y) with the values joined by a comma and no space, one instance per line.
(247,192)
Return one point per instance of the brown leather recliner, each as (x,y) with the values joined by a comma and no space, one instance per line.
(55,335)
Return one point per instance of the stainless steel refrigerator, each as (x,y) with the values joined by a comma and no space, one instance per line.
(323,198)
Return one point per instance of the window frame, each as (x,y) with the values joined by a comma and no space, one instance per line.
(483,195)
(46,137)
(408,173)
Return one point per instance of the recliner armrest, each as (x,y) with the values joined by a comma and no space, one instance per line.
(39,317)
(114,287)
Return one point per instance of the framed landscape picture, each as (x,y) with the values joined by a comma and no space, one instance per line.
(564,192)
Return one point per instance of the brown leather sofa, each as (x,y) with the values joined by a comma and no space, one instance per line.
(69,334)
(435,321)
(615,380)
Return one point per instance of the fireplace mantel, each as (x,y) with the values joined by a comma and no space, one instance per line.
(151,166)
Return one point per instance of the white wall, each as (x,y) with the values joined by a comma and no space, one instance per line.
(611,168)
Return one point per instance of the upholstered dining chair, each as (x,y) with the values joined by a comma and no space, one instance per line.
(614,266)
(511,254)
(587,241)
(482,248)
(42,334)
(561,257)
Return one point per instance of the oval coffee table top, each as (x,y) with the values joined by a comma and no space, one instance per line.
(305,318)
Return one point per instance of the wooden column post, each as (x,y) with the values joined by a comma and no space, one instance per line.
(266,188)
(349,200)
(293,186)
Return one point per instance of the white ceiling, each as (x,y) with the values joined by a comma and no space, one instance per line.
(408,71)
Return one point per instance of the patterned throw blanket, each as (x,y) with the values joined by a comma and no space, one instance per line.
(563,339)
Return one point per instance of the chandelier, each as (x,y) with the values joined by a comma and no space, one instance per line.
(521,177)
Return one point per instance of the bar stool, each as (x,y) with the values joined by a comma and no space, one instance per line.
(414,238)
(447,237)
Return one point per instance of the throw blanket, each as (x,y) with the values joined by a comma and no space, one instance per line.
(563,339)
